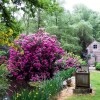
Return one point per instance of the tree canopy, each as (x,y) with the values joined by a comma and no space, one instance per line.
(75,30)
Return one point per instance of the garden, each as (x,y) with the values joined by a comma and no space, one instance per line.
(36,67)
(42,46)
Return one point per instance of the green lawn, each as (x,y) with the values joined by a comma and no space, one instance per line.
(95,82)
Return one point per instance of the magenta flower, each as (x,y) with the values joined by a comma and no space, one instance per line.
(35,57)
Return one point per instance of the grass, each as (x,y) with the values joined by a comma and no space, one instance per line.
(95,82)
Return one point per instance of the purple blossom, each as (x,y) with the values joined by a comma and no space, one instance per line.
(41,51)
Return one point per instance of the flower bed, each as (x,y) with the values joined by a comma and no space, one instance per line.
(47,90)
(39,57)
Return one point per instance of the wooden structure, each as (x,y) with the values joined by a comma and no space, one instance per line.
(82,79)
(82,82)
(93,50)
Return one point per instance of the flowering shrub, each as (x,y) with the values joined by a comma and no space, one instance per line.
(69,60)
(34,57)
(6,37)
(72,62)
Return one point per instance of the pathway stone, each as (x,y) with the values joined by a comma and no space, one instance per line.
(93,69)
(68,91)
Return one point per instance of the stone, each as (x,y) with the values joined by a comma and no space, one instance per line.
(64,84)
(69,82)
(82,90)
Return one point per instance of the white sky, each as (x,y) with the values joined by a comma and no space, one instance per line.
(92,4)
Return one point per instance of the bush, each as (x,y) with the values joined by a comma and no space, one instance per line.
(69,60)
(2,53)
(98,66)
(47,90)
(83,62)
(65,73)
(34,57)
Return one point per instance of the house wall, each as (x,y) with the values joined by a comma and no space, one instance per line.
(94,53)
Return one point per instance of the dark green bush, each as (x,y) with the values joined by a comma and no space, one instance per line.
(98,66)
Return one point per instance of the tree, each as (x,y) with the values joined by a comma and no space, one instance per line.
(47,7)
(82,11)
(8,22)
(84,32)
(95,22)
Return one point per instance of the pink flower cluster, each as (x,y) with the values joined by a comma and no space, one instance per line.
(35,57)
(67,62)
(72,62)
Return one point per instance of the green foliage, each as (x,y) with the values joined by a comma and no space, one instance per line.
(83,11)
(7,19)
(47,90)
(36,14)
(75,30)
(70,43)
(83,62)
(97,66)
(3,53)
(3,70)
(65,74)
(3,80)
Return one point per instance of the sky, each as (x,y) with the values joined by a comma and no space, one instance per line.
(92,4)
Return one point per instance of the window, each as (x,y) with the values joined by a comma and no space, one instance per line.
(95,46)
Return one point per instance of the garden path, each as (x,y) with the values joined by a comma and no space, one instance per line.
(92,69)
(68,91)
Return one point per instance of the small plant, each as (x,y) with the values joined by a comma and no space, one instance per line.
(2,53)
(98,66)
(83,62)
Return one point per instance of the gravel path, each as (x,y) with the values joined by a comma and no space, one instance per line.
(68,91)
